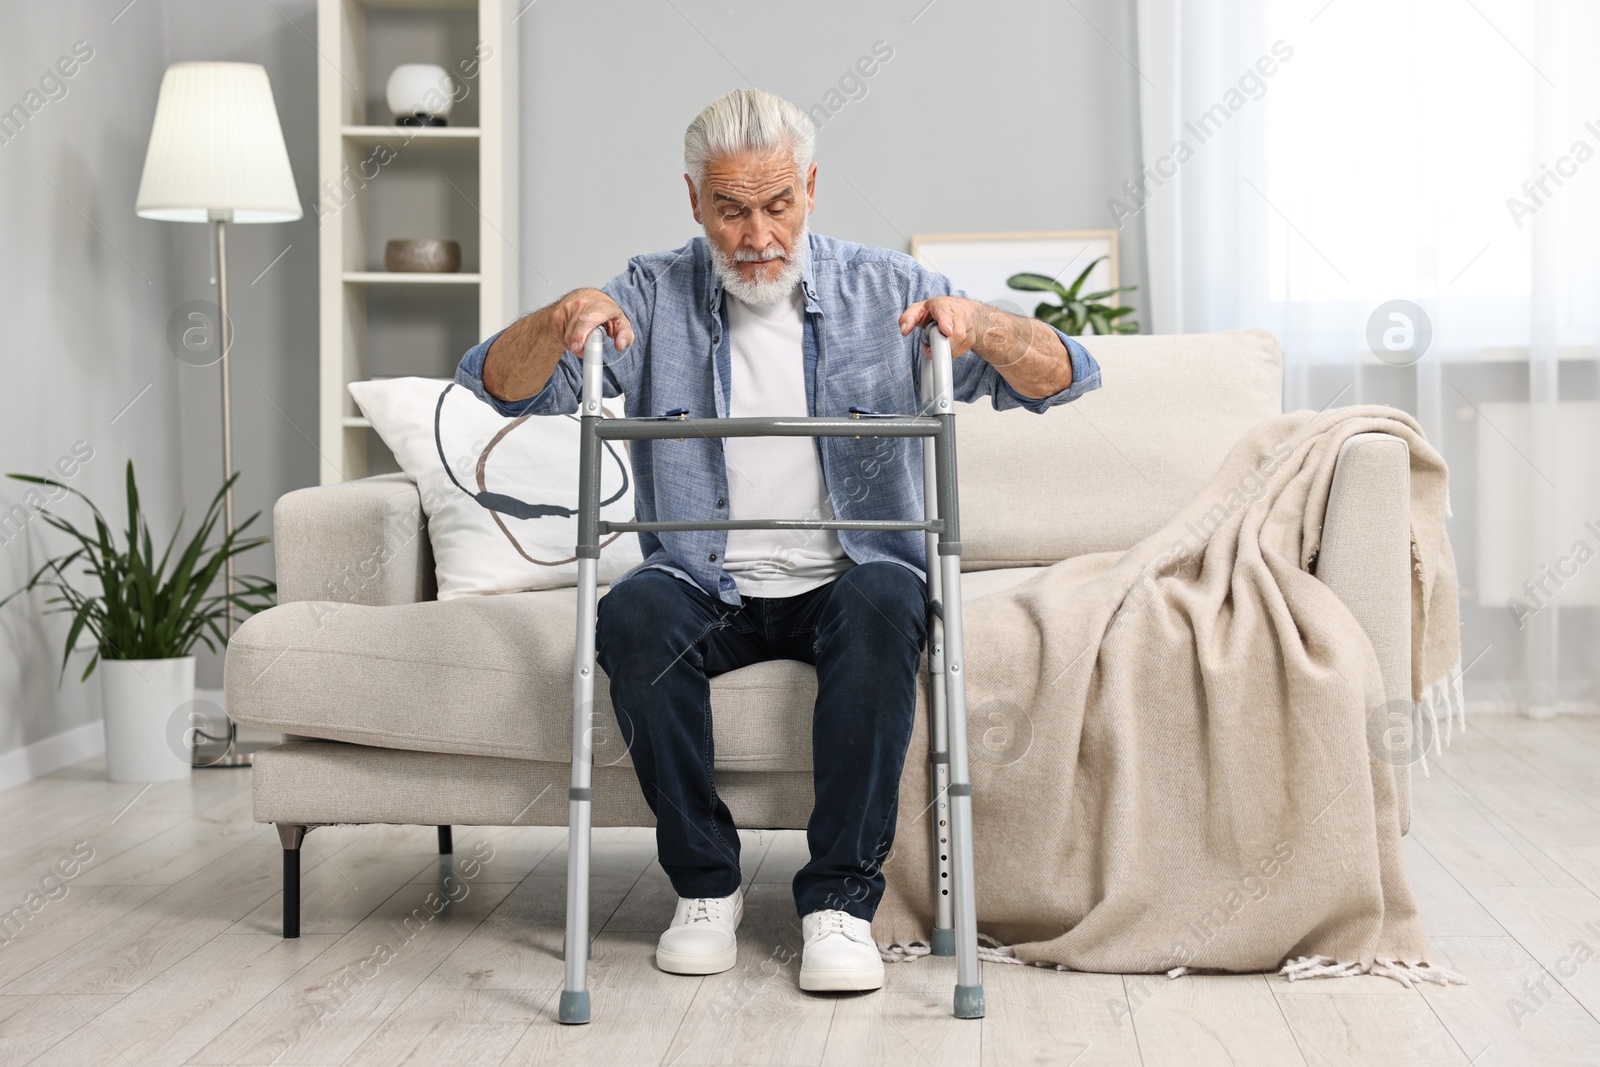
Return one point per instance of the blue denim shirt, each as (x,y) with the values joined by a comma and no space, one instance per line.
(854,355)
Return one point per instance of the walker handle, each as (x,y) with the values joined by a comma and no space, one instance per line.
(943,398)
(594,348)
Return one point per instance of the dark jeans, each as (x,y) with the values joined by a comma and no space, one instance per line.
(661,639)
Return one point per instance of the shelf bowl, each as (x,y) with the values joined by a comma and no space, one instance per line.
(423,255)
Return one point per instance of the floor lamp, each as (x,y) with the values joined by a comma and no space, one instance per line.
(217,156)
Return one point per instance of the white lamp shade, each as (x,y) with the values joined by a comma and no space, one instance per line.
(216,146)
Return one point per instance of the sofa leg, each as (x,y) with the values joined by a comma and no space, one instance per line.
(292,835)
(446,844)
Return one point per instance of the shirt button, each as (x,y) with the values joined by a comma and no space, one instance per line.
(722,502)
(712,557)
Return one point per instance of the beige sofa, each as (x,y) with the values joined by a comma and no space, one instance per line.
(405,709)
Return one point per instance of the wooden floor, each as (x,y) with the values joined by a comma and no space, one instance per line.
(164,947)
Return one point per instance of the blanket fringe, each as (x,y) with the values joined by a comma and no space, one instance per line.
(1318,967)
(903,951)
(1407,972)
(1446,695)
(989,951)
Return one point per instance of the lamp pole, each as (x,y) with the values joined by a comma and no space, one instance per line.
(219,218)
(219,221)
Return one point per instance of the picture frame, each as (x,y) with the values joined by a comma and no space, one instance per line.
(980,263)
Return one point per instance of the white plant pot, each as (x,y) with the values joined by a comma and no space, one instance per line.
(140,699)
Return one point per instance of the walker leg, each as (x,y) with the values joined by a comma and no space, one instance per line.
(969,986)
(575,950)
(944,935)
(574,1006)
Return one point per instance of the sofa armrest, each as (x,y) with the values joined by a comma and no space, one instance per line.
(1365,558)
(359,542)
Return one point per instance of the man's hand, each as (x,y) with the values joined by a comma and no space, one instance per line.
(519,363)
(1027,353)
(577,314)
(959,319)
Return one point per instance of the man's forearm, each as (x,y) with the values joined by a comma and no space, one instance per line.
(519,363)
(1027,353)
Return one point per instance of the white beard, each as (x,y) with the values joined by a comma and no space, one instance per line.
(760,294)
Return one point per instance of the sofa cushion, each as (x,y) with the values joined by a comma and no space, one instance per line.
(491,676)
(1107,470)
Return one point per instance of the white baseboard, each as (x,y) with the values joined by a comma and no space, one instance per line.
(1508,707)
(51,754)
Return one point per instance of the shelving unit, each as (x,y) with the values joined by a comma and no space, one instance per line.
(444,136)
(378,181)
(383,277)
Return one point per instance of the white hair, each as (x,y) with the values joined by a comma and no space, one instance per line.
(748,120)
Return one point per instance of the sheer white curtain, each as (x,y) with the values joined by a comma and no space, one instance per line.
(1309,162)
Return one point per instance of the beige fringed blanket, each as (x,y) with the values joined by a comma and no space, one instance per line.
(1196,789)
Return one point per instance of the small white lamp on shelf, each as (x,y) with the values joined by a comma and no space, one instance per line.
(420,94)
(217,156)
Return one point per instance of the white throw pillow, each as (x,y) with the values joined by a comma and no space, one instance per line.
(532,470)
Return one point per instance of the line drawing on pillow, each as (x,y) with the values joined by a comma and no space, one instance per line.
(500,504)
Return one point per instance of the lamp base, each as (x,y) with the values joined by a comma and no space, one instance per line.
(420,119)
(239,754)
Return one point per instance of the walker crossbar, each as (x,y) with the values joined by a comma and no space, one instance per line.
(955,921)
(775,524)
(768,426)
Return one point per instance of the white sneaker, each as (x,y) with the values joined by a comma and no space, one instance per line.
(839,954)
(701,939)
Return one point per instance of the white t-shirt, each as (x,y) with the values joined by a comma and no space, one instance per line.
(774,477)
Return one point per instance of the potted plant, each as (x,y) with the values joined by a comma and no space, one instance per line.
(1075,313)
(146,619)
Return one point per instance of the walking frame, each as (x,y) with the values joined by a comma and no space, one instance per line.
(955,922)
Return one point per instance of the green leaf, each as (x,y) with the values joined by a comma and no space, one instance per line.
(1102,294)
(79,621)
(133,510)
(1036,283)
(1072,290)
(84,677)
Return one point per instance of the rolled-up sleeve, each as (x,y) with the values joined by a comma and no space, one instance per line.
(1085,378)
(469,375)
(562,393)
(973,376)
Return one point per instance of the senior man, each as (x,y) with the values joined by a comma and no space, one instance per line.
(759,317)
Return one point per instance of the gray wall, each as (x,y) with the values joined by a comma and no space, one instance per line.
(989,117)
(87,292)
(1029,103)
